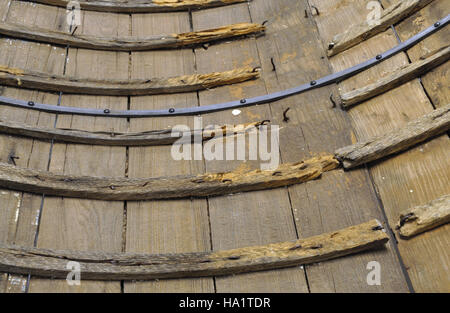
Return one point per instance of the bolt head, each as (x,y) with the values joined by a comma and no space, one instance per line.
(106,111)
(243,100)
(313,83)
(379,57)
(171,110)
(437,24)
(31,103)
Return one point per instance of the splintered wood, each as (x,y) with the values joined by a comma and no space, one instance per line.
(129,266)
(425,127)
(149,138)
(129,43)
(138,87)
(364,31)
(425,217)
(395,79)
(43,182)
(142,6)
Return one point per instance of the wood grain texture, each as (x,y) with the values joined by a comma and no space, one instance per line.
(106,266)
(113,87)
(19,212)
(142,6)
(339,198)
(413,133)
(80,224)
(146,138)
(407,179)
(425,217)
(395,79)
(358,33)
(165,187)
(168,41)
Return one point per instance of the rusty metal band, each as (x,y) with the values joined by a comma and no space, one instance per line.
(324,81)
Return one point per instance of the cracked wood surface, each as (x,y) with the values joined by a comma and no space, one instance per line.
(129,266)
(142,6)
(168,41)
(210,184)
(424,218)
(358,33)
(417,131)
(145,138)
(137,87)
(395,79)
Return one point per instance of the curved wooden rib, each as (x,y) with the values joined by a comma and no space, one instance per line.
(187,83)
(395,79)
(358,33)
(425,217)
(41,182)
(129,43)
(127,266)
(142,6)
(150,138)
(417,131)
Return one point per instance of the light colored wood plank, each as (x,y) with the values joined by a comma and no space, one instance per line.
(20,211)
(164,226)
(411,178)
(84,224)
(338,199)
(244,219)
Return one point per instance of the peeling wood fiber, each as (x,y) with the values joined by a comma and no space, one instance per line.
(149,138)
(419,130)
(142,6)
(358,33)
(204,185)
(395,79)
(128,266)
(129,43)
(137,87)
(424,218)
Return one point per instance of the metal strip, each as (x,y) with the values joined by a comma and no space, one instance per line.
(324,81)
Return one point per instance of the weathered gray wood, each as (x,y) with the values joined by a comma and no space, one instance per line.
(99,188)
(363,31)
(129,43)
(417,131)
(142,6)
(128,266)
(395,79)
(425,217)
(150,138)
(137,87)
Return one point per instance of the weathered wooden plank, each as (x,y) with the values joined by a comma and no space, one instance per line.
(50,263)
(142,6)
(81,224)
(145,138)
(358,33)
(425,217)
(426,258)
(340,198)
(166,41)
(413,133)
(164,226)
(437,81)
(150,86)
(244,219)
(395,79)
(19,212)
(210,184)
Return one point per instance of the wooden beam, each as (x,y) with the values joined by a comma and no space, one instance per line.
(137,87)
(129,43)
(142,6)
(424,218)
(417,131)
(42,182)
(129,266)
(358,33)
(149,138)
(395,79)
